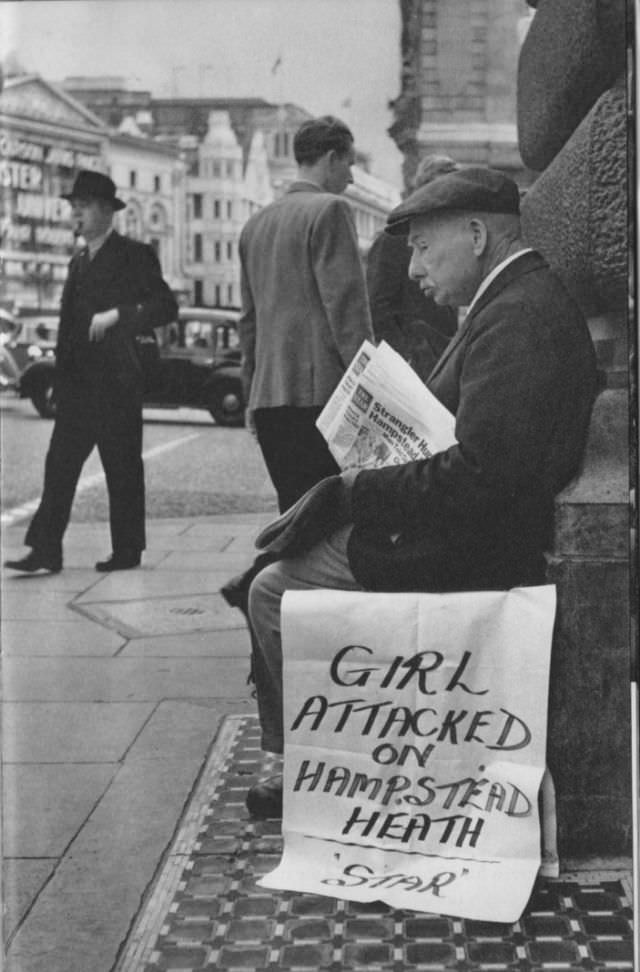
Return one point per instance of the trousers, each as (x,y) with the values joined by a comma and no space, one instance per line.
(324,566)
(295,453)
(72,441)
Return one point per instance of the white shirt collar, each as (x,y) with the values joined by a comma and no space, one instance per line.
(494,273)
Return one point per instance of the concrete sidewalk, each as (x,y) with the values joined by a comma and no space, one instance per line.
(114,689)
(127,716)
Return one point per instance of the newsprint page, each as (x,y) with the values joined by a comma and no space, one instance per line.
(459,785)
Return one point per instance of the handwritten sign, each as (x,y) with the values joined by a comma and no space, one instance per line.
(415,736)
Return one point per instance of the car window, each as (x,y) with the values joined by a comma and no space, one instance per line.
(199,334)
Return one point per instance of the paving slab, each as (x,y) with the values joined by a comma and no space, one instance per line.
(99,884)
(163,614)
(77,636)
(22,881)
(73,579)
(46,805)
(121,680)
(68,731)
(196,644)
(137,584)
(230,562)
(34,597)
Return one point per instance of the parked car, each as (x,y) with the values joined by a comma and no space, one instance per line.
(9,370)
(193,362)
(30,335)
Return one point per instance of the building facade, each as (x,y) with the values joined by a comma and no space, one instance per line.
(191,172)
(151,179)
(459,69)
(187,122)
(45,137)
(216,211)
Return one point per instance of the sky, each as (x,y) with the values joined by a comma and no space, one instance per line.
(318,54)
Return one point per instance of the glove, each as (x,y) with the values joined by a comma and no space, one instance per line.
(319,512)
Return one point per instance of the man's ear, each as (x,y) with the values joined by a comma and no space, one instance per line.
(479,235)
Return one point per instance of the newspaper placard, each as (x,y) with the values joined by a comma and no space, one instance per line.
(382,414)
(415,735)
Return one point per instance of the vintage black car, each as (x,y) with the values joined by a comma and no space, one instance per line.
(193,362)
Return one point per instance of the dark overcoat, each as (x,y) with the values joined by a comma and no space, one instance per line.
(520,377)
(105,377)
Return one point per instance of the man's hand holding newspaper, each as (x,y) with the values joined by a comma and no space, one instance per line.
(380,414)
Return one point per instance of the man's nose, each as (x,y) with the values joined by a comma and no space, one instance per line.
(416,270)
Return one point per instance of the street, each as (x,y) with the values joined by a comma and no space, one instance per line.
(192,467)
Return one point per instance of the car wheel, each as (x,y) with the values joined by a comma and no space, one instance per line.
(44,400)
(226,404)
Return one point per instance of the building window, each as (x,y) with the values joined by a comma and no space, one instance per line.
(229,208)
(216,170)
(132,179)
(216,251)
(197,293)
(132,224)
(156,183)
(216,209)
(197,247)
(154,242)
(197,205)
(230,294)
(285,143)
(217,293)
(229,250)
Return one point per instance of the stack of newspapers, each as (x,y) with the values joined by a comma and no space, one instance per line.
(381,414)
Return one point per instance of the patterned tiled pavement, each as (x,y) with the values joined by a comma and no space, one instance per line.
(206,912)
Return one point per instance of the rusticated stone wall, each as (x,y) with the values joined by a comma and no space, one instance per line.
(573,127)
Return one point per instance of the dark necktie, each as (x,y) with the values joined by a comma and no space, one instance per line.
(83,263)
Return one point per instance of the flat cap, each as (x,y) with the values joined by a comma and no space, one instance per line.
(474,188)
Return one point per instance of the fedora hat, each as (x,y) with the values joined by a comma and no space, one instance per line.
(94,185)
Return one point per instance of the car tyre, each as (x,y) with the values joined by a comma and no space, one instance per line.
(226,404)
(44,400)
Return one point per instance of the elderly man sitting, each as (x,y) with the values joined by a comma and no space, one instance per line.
(519,376)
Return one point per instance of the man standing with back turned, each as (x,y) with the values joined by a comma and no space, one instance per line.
(305,313)
(114,290)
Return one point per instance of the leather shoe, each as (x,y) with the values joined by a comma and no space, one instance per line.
(35,561)
(122,561)
(236,591)
(264,800)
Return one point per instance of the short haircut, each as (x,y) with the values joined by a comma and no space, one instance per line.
(318,136)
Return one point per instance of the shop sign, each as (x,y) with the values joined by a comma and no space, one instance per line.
(33,217)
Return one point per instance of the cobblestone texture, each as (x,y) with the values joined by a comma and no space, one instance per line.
(215,918)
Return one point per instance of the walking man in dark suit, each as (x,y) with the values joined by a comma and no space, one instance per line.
(114,290)
(520,378)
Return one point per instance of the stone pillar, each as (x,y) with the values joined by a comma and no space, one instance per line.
(459,63)
(572,126)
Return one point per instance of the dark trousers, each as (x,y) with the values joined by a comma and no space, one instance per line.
(72,440)
(295,453)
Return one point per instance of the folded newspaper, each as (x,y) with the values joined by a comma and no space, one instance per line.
(381,414)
